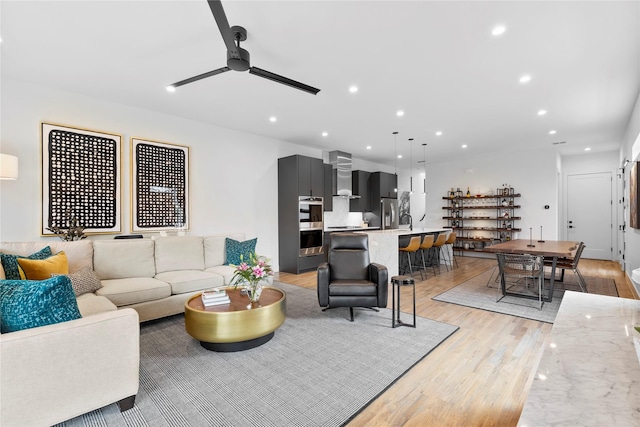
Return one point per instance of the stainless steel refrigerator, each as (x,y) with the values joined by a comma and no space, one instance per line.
(389,213)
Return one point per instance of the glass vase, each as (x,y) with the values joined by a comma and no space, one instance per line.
(253,291)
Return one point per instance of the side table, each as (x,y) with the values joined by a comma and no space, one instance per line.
(396,282)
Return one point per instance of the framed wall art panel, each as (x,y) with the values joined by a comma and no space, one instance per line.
(159,186)
(81,180)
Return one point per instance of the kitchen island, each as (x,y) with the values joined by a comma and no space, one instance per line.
(383,244)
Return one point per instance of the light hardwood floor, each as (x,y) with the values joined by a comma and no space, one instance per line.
(480,376)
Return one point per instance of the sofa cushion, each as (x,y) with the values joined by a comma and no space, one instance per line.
(42,269)
(84,281)
(226,271)
(179,253)
(10,262)
(236,251)
(79,253)
(190,280)
(134,290)
(28,304)
(90,303)
(214,248)
(125,258)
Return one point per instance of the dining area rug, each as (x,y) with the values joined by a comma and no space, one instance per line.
(319,369)
(483,291)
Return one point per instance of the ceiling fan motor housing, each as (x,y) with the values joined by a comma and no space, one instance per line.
(239,64)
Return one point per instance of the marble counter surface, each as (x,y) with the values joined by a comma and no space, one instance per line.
(383,245)
(407,232)
(589,374)
(348,229)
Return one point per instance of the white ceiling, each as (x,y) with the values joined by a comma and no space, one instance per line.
(437,61)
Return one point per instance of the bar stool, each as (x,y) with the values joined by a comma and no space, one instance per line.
(427,245)
(396,282)
(438,244)
(451,240)
(411,248)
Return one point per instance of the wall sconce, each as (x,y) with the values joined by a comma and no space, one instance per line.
(8,167)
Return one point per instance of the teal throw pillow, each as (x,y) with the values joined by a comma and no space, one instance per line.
(28,304)
(234,249)
(10,262)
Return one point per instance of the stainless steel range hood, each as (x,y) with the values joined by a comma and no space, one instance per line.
(341,182)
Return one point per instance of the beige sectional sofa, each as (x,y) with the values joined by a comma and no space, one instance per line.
(53,373)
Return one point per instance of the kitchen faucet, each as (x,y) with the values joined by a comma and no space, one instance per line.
(410,220)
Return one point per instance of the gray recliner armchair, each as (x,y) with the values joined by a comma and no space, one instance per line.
(349,279)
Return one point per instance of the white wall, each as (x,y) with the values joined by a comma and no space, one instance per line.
(531,173)
(632,236)
(233,174)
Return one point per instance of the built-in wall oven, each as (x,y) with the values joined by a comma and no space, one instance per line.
(310,217)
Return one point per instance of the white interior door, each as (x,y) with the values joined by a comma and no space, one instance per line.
(589,213)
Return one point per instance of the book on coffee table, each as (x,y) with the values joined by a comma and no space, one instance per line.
(215,297)
(209,303)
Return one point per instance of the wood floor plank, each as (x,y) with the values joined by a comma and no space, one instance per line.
(481,375)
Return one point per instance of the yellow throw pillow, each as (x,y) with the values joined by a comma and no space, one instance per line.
(32,269)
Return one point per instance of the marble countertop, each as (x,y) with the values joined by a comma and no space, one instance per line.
(406,231)
(349,228)
(589,374)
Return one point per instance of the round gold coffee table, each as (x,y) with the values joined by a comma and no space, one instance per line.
(239,325)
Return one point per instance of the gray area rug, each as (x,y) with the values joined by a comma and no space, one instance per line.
(482,291)
(319,369)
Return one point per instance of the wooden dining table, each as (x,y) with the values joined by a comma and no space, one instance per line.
(553,249)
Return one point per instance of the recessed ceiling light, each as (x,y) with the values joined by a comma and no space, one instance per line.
(325,134)
(587,149)
(368,147)
(552,132)
(171,88)
(353,89)
(399,156)
(273,119)
(400,113)
(526,78)
(498,30)
(542,112)
(439,133)
(464,145)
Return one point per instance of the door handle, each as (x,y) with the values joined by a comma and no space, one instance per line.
(571,226)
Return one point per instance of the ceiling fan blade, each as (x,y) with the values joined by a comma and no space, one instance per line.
(285,81)
(201,76)
(223,26)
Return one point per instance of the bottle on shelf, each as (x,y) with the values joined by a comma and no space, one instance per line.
(468,192)
(458,192)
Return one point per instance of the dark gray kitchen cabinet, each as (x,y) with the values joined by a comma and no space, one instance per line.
(310,176)
(360,183)
(297,176)
(328,187)
(383,185)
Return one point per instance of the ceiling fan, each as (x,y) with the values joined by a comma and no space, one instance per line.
(238,59)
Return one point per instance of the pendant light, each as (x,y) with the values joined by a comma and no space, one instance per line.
(424,182)
(411,166)
(395,138)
